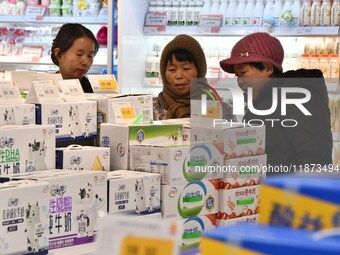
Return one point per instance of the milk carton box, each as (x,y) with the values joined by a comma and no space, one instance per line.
(76,157)
(76,200)
(25,219)
(189,199)
(133,192)
(193,229)
(178,163)
(19,114)
(119,137)
(72,120)
(26,148)
(237,140)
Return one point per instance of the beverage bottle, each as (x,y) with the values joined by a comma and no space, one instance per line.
(306,8)
(335,13)
(248,13)
(325,17)
(258,13)
(315,13)
(238,21)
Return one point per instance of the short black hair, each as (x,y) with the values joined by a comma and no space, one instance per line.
(67,34)
(181,56)
(260,66)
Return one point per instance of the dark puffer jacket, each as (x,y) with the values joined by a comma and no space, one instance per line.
(310,142)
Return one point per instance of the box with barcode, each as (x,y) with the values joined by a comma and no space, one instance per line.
(238,140)
(72,120)
(19,114)
(76,200)
(178,163)
(76,157)
(189,200)
(26,148)
(126,109)
(133,192)
(24,227)
(239,202)
(120,137)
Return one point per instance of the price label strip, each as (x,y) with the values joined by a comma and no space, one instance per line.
(155,22)
(43,92)
(72,90)
(104,84)
(146,246)
(9,93)
(124,112)
(210,24)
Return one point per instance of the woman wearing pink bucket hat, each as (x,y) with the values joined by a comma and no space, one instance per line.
(294,137)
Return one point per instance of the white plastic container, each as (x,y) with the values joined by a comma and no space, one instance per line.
(268,13)
(335,13)
(305,19)
(314,61)
(238,21)
(278,6)
(223,11)
(197,14)
(206,8)
(182,12)
(215,7)
(315,13)
(174,13)
(325,17)
(258,13)
(152,6)
(296,13)
(19,9)
(248,13)
(190,14)
(324,65)
(334,66)
(159,6)
(231,13)
(167,10)
(287,7)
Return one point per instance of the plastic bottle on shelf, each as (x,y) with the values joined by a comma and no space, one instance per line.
(167,10)
(182,12)
(159,6)
(223,11)
(286,15)
(189,18)
(197,14)
(174,13)
(337,46)
(258,13)
(324,65)
(334,66)
(278,6)
(152,6)
(4,8)
(19,9)
(238,21)
(248,13)
(268,13)
(335,13)
(314,61)
(305,19)
(296,12)
(231,13)
(315,13)
(11,6)
(325,16)
(206,8)
(304,61)
(215,7)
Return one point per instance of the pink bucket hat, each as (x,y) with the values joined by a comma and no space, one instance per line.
(257,47)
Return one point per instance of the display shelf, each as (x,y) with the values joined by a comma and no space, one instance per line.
(240,31)
(83,249)
(100,19)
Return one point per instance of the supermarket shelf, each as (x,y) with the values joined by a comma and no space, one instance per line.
(53,20)
(240,31)
(83,249)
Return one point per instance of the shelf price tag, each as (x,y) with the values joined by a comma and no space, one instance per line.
(34,12)
(124,112)
(32,53)
(43,92)
(9,93)
(152,82)
(127,235)
(210,24)
(71,89)
(104,84)
(155,22)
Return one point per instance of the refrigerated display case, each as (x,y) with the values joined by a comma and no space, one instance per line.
(25,41)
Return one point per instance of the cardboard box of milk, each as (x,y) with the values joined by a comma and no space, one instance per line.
(238,140)
(133,192)
(19,114)
(26,148)
(189,199)
(24,227)
(120,137)
(76,200)
(178,163)
(77,157)
(72,120)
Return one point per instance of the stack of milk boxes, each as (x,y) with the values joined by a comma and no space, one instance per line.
(244,156)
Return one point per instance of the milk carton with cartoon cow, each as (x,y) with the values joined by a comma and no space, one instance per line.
(19,114)
(76,200)
(132,192)
(26,148)
(76,157)
(24,217)
(72,120)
